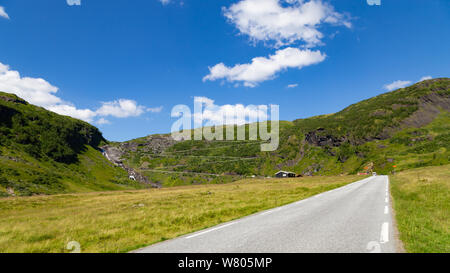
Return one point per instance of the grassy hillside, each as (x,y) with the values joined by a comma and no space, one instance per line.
(45,153)
(422,204)
(42,152)
(122,221)
(406,128)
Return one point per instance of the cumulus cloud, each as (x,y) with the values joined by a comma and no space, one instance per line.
(3,13)
(72,111)
(402,84)
(262,68)
(103,121)
(228,114)
(283,21)
(165,2)
(74,2)
(39,92)
(121,109)
(278,23)
(292,85)
(425,78)
(35,90)
(396,85)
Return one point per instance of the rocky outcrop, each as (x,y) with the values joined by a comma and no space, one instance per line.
(114,155)
(13,98)
(139,177)
(320,138)
(429,107)
(152,144)
(155,144)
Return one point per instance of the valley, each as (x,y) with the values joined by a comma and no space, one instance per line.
(395,131)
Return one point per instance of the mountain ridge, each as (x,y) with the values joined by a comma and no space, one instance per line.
(405,128)
(319,145)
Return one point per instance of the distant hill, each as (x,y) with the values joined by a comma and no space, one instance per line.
(45,153)
(405,128)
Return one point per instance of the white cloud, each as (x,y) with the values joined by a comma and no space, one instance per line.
(39,92)
(396,85)
(35,90)
(74,2)
(402,84)
(3,13)
(425,78)
(262,68)
(72,111)
(165,2)
(155,109)
(292,85)
(283,21)
(204,100)
(121,109)
(228,114)
(278,23)
(103,121)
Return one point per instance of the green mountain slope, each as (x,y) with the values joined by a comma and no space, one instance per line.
(406,128)
(45,153)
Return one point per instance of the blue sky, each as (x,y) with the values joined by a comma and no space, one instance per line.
(122,65)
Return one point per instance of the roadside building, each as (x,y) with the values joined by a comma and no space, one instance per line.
(284,174)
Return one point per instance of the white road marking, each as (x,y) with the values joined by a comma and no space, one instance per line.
(384,233)
(213,229)
(386,200)
(386,210)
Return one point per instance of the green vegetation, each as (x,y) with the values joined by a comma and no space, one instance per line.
(42,153)
(43,134)
(23,175)
(406,128)
(45,153)
(422,204)
(122,221)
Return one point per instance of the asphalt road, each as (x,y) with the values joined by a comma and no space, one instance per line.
(353,218)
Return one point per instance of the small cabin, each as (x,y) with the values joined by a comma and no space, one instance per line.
(284,174)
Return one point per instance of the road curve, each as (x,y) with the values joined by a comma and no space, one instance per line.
(354,218)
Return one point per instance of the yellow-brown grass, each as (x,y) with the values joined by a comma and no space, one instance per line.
(126,220)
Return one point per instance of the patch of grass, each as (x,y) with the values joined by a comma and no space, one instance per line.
(122,221)
(422,206)
(27,176)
